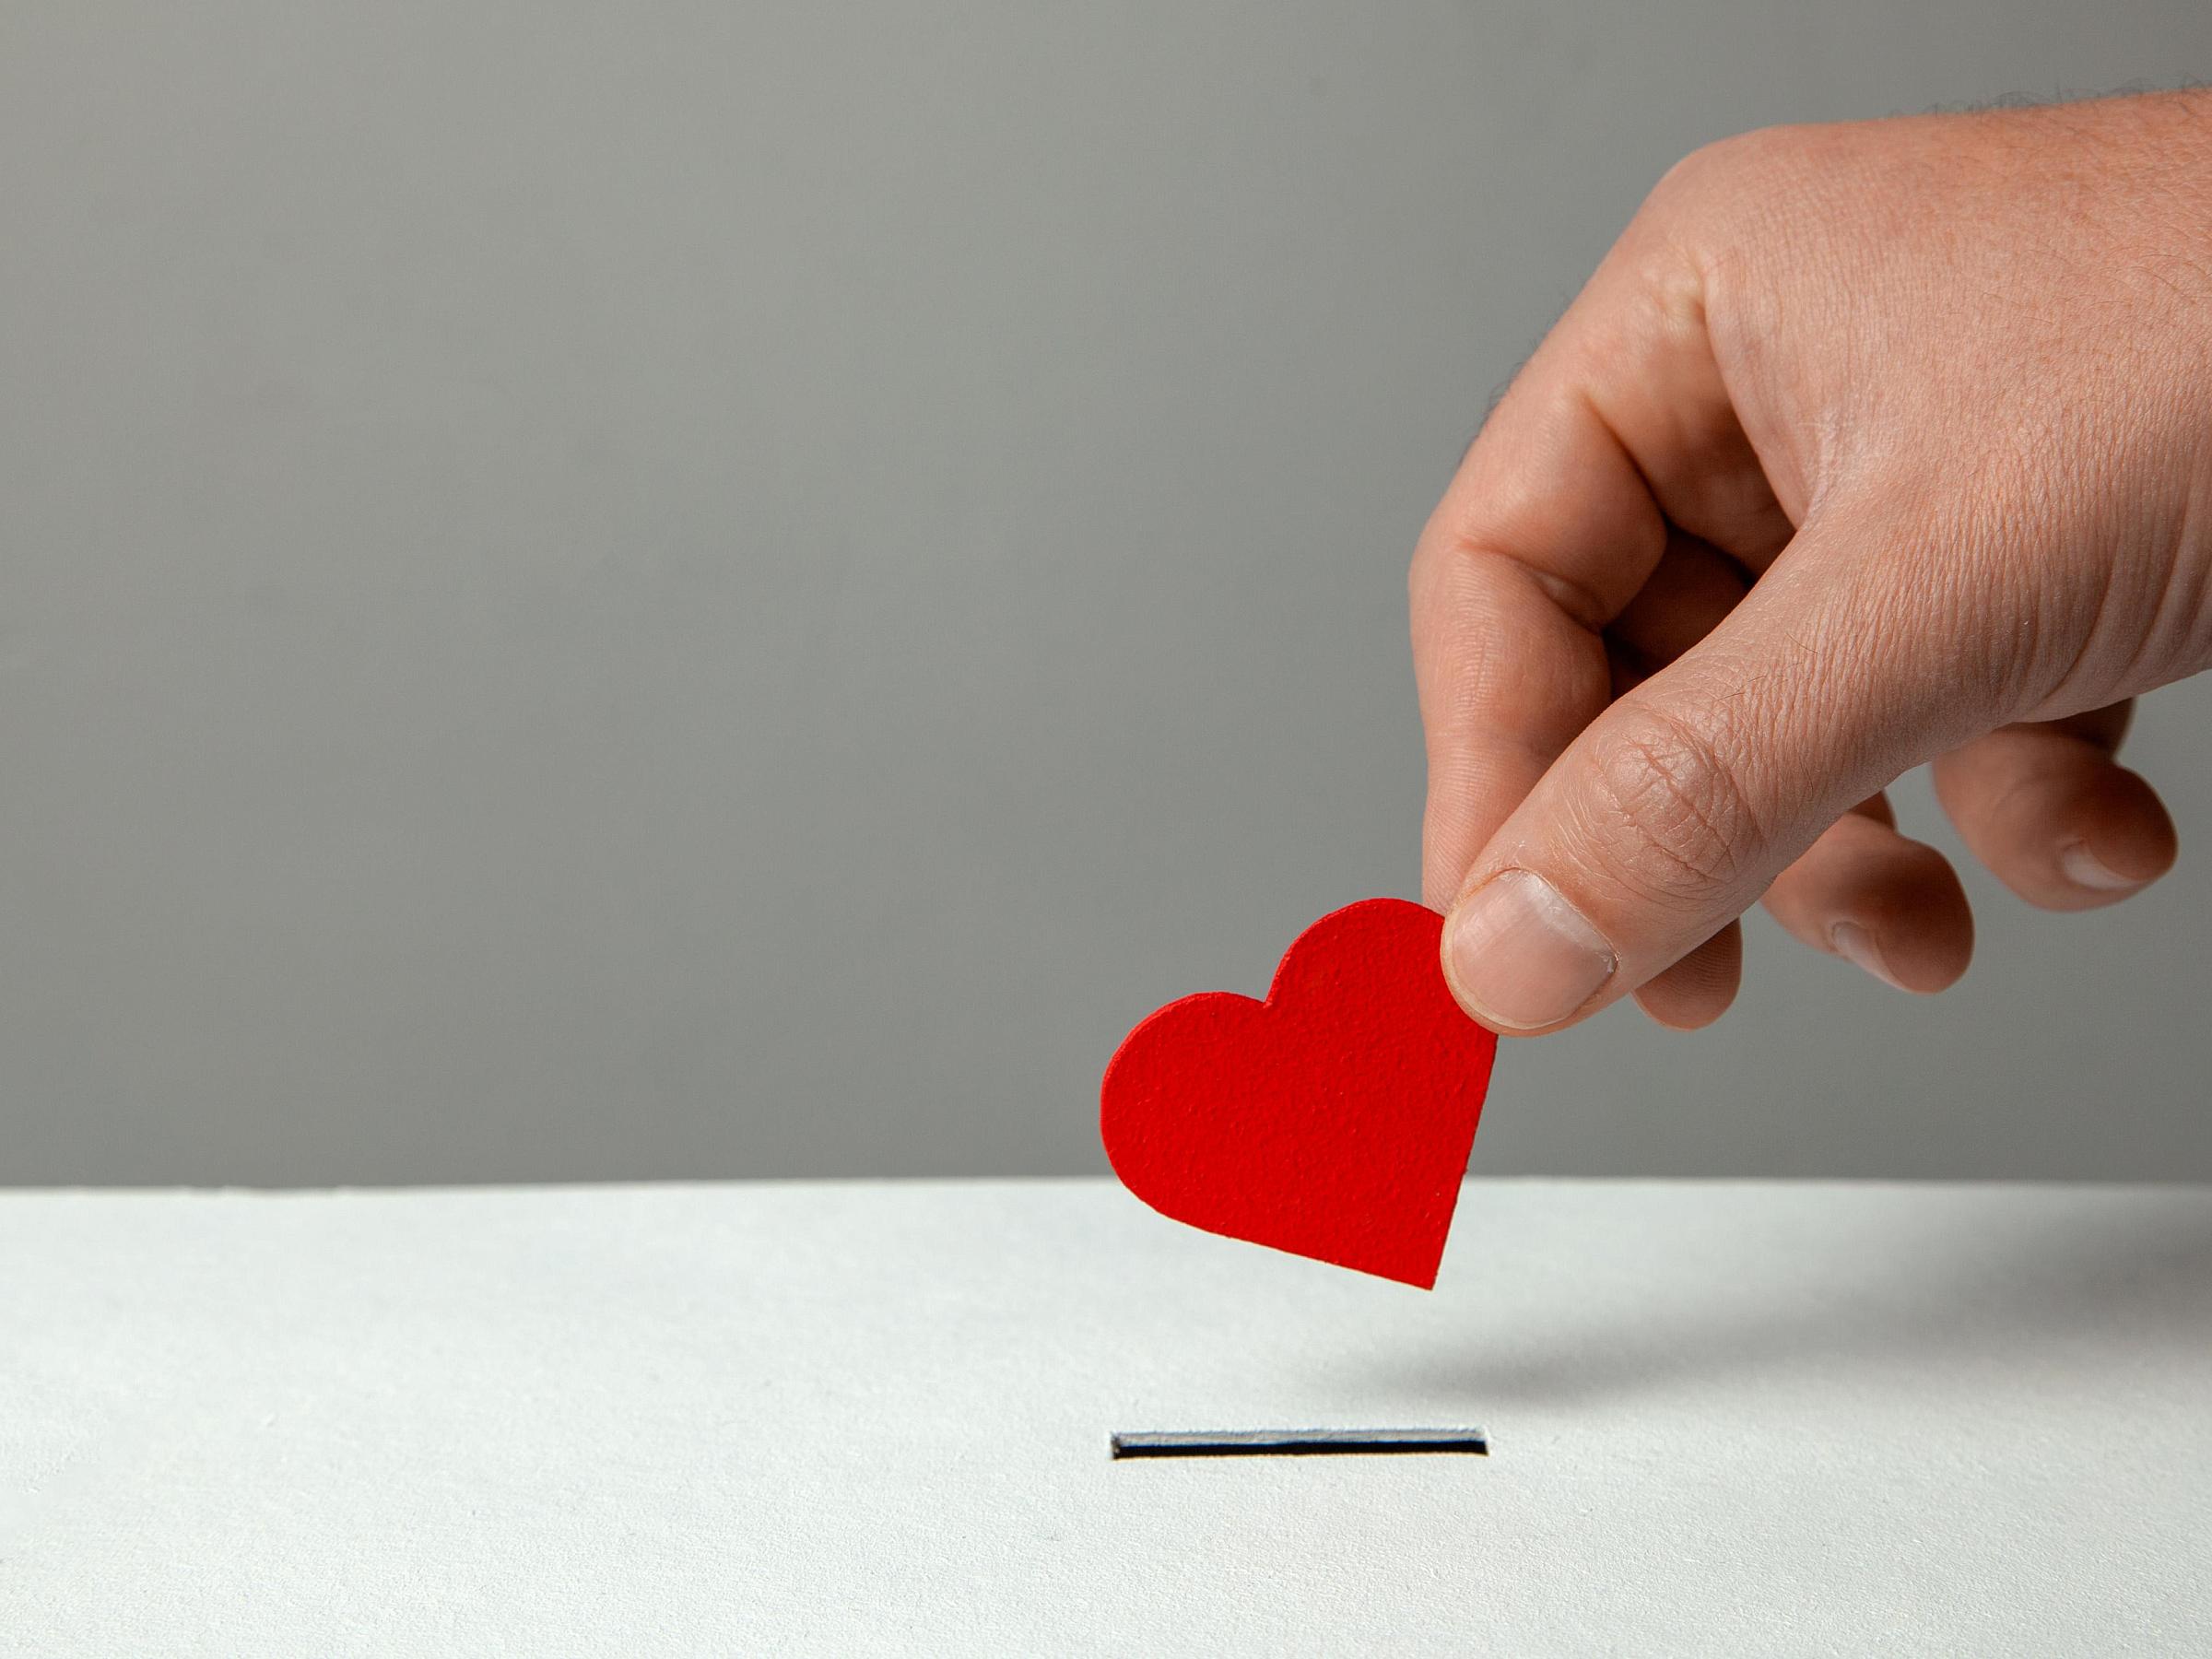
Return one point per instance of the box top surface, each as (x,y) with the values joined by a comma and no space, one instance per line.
(862,1417)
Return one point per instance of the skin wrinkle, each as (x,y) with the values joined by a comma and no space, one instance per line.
(2195,625)
(2090,636)
(1489,664)
(2181,631)
(2040,771)
(1576,601)
(1691,782)
(1971,558)
(1796,660)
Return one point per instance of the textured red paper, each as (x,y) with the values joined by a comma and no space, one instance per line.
(1332,1120)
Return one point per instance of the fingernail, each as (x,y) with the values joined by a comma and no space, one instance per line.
(1521,955)
(2084,868)
(1856,946)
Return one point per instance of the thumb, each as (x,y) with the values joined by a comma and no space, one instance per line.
(1671,813)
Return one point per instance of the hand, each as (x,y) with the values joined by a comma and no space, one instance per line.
(1867,445)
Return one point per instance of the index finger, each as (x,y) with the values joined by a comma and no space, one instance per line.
(1620,423)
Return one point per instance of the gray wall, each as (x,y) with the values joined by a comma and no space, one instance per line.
(677,589)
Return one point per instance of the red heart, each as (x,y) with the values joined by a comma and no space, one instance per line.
(1334,1120)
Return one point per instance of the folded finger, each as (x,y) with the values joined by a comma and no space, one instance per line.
(1886,903)
(2055,818)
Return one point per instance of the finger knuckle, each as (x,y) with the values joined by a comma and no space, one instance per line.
(1727,205)
(1671,812)
(1728,164)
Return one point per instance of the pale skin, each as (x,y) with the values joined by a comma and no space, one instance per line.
(1866,446)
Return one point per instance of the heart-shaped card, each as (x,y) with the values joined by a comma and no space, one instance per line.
(1332,1120)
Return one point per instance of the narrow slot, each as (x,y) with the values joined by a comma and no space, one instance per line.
(1305,1442)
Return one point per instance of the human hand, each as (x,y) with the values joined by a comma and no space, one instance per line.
(1866,446)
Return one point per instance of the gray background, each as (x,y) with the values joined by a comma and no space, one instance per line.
(737,589)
